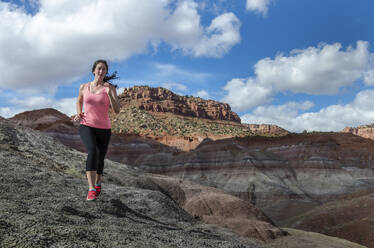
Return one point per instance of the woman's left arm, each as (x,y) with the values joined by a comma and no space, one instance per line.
(113,98)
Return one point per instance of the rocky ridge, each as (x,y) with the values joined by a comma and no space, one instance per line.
(183,132)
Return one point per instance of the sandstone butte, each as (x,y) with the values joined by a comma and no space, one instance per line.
(42,205)
(280,173)
(163,100)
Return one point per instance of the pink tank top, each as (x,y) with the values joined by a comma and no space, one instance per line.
(96,108)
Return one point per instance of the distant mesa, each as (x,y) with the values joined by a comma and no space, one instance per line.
(160,114)
(163,100)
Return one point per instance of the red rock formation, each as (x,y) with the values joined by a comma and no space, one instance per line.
(163,100)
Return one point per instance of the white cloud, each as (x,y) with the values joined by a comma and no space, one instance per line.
(281,115)
(59,43)
(221,35)
(170,71)
(259,6)
(245,94)
(214,7)
(174,86)
(203,94)
(369,77)
(120,90)
(8,112)
(33,102)
(315,70)
(331,118)
(65,105)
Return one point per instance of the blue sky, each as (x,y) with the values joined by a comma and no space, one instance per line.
(302,65)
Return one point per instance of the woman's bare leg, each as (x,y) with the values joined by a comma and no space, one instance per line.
(91,177)
(98,178)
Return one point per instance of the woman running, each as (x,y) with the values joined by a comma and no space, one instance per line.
(95,128)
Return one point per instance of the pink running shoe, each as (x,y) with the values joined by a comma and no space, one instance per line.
(98,190)
(91,196)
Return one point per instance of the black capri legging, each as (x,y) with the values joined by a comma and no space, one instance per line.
(96,141)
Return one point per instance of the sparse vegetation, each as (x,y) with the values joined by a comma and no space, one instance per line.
(132,120)
(150,111)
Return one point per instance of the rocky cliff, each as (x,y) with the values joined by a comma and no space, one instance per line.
(163,100)
(180,121)
(43,205)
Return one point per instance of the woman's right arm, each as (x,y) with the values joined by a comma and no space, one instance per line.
(79,105)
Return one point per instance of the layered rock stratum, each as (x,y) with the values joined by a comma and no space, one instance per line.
(43,205)
(283,176)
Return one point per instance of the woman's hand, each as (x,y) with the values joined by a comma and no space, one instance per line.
(78,117)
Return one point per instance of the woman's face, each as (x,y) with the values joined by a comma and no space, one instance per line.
(100,70)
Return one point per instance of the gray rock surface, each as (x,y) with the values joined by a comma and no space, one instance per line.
(43,204)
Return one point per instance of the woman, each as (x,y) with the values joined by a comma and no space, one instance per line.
(95,127)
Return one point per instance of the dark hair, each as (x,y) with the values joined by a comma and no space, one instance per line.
(106,78)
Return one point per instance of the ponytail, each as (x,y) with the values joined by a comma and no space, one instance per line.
(111,77)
